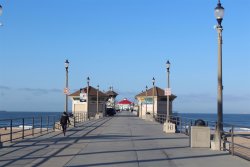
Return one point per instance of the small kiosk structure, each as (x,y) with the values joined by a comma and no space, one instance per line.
(154,101)
(111,98)
(85,101)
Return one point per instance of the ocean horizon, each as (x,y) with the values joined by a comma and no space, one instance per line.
(241,120)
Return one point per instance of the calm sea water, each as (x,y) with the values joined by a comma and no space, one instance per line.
(17,118)
(236,119)
(23,114)
(241,122)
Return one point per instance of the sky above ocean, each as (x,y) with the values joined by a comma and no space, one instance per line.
(124,44)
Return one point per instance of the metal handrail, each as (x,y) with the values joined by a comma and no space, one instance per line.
(228,137)
(19,128)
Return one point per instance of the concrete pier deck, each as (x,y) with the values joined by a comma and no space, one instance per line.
(120,141)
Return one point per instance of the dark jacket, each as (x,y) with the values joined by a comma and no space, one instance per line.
(64,119)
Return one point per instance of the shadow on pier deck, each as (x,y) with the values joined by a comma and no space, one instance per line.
(122,140)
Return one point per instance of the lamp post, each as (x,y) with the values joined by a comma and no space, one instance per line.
(141,105)
(219,14)
(168,86)
(97,100)
(153,81)
(67,85)
(146,99)
(88,79)
(1,11)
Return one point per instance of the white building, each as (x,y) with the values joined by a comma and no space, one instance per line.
(88,102)
(156,96)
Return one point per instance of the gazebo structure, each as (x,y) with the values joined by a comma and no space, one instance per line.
(124,104)
(154,101)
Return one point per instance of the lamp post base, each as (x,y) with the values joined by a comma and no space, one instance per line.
(98,115)
(216,142)
(149,117)
(169,127)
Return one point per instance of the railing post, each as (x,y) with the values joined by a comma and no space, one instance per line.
(1,144)
(189,133)
(11,130)
(176,123)
(54,122)
(185,125)
(33,125)
(220,134)
(74,121)
(23,129)
(47,123)
(41,124)
(180,124)
(232,138)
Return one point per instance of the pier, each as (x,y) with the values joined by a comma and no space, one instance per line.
(122,140)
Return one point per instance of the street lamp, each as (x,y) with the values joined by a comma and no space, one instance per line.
(167,91)
(141,105)
(67,84)
(88,87)
(1,11)
(153,81)
(97,101)
(88,79)
(146,99)
(88,97)
(219,14)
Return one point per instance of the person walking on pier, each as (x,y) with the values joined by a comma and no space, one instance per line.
(64,121)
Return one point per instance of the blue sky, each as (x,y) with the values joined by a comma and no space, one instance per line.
(123,43)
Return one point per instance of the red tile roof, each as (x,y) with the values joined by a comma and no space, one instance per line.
(92,92)
(157,92)
(125,101)
(111,93)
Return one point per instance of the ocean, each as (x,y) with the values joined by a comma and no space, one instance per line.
(17,118)
(235,119)
(242,120)
(25,114)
